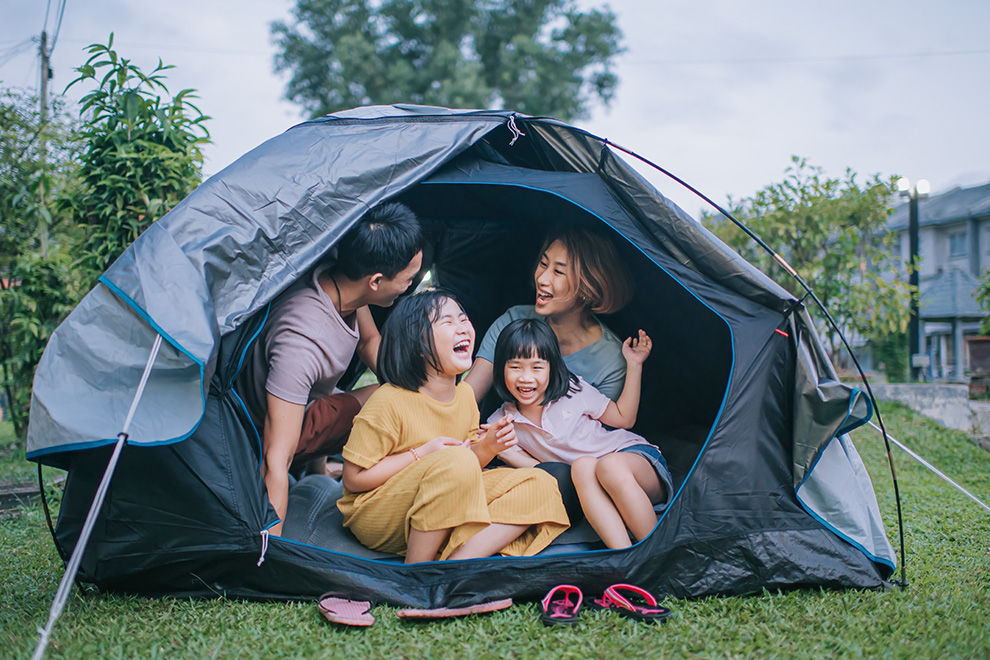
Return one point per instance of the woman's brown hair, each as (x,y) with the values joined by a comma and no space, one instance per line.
(604,284)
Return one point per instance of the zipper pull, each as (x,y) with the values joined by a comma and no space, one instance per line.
(264,546)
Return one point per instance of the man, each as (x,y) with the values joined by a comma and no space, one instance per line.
(313,331)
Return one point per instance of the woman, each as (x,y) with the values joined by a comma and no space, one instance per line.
(578,274)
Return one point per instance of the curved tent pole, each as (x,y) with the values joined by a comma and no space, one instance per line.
(72,568)
(810,292)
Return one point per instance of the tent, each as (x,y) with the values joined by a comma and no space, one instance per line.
(738,393)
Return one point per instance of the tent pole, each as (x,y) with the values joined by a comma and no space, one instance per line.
(828,317)
(72,568)
(931,467)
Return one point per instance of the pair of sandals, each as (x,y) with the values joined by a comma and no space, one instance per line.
(562,605)
(358,612)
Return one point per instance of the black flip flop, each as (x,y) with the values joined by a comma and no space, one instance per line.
(557,608)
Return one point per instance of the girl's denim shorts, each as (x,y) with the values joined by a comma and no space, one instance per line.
(659,463)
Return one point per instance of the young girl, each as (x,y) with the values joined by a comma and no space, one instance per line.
(619,476)
(413,482)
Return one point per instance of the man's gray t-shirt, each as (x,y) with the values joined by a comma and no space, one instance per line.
(600,364)
(303,351)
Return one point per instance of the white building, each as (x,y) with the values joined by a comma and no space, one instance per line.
(954,244)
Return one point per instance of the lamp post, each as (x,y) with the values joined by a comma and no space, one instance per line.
(915,339)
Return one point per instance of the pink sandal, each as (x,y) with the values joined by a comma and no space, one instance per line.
(644,609)
(346,612)
(448,612)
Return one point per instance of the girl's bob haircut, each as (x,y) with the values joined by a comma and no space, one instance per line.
(407,348)
(526,338)
(603,282)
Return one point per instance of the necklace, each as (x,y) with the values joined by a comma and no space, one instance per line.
(340,303)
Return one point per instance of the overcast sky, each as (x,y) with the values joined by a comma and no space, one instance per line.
(720,93)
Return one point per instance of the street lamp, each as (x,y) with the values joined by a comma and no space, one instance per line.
(915,348)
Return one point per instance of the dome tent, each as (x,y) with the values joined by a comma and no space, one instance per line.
(738,393)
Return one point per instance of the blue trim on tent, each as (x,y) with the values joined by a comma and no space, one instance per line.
(250,343)
(47,451)
(94,444)
(732,342)
(811,512)
(862,421)
(257,436)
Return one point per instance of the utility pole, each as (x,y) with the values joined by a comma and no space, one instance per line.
(42,146)
(918,360)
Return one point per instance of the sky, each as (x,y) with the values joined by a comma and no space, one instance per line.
(720,93)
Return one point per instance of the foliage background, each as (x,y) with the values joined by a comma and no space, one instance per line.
(540,57)
(75,193)
(833,232)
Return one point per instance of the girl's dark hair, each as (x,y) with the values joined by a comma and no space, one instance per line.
(407,347)
(522,339)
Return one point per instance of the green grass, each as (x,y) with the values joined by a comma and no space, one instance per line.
(943,613)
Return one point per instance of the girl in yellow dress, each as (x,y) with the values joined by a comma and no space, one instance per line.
(413,483)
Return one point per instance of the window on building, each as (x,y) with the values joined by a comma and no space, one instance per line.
(957,245)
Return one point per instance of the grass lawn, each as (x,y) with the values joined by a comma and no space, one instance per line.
(945,612)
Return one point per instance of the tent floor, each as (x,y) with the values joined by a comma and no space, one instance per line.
(312,518)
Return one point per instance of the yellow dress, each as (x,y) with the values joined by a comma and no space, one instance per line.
(446,489)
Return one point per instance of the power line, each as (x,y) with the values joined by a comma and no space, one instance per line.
(814,58)
(58,26)
(177,48)
(15,50)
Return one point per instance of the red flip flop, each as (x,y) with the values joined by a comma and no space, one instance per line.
(557,609)
(448,612)
(346,612)
(645,607)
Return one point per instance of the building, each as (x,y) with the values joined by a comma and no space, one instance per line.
(954,244)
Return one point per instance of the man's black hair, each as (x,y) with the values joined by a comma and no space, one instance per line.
(524,338)
(407,347)
(383,241)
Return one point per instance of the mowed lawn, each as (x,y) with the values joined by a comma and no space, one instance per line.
(943,613)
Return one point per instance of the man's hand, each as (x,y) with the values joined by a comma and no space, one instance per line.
(283,424)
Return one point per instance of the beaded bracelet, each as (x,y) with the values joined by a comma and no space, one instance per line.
(415,455)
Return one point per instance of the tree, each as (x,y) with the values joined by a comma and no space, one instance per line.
(833,233)
(37,289)
(142,153)
(983,298)
(540,57)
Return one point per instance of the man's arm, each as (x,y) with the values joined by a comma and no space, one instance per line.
(368,339)
(283,425)
(480,378)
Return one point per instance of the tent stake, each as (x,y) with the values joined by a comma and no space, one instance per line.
(931,467)
(72,568)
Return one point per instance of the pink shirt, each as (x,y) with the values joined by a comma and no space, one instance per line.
(569,428)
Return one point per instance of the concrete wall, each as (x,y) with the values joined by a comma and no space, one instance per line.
(949,405)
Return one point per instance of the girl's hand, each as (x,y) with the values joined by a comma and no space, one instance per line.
(498,436)
(436,444)
(636,349)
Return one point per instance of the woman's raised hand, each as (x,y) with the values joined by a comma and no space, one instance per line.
(637,349)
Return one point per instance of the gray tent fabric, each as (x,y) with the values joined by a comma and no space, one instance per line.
(739,394)
(220,255)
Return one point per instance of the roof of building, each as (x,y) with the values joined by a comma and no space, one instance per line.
(950,295)
(955,205)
